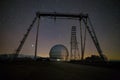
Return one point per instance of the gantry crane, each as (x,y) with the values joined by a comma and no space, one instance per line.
(81,17)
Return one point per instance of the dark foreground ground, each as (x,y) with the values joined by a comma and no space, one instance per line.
(55,71)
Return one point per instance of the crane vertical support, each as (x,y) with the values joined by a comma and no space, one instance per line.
(36,43)
(82,54)
(24,38)
(74,46)
(83,40)
(94,38)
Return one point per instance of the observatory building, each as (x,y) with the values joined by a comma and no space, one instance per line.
(59,53)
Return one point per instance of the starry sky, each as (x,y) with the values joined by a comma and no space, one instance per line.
(17,15)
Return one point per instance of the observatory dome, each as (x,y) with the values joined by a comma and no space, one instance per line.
(58,53)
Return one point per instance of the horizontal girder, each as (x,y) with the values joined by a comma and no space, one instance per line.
(54,14)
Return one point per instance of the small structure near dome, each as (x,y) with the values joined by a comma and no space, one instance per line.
(59,53)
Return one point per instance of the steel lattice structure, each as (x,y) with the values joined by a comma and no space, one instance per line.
(80,17)
(74,51)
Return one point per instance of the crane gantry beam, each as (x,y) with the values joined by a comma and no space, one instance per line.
(54,14)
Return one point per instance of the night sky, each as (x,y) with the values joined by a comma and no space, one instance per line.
(17,15)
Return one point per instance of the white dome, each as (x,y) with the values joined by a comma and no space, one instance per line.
(59,53)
